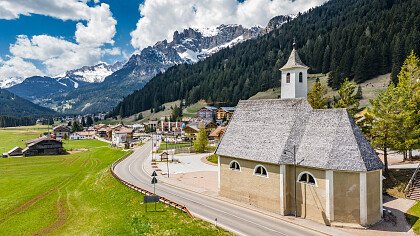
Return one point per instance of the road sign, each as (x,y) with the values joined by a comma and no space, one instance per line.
(154,180)
(153,198)
(154,173)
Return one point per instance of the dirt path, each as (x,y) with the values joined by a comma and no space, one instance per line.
(61,218)
(29,203)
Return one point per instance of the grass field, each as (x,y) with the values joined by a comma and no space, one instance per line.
(213,159)
(163,146)
(413,216)
(17,136)
(75,194)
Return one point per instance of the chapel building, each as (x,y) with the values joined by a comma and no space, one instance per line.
(283,156)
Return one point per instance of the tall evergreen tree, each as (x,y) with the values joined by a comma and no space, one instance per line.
(202,141)
(316,97)
(347,97)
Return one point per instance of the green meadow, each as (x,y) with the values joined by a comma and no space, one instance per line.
(75,194)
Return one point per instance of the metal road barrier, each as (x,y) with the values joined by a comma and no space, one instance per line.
(144,191)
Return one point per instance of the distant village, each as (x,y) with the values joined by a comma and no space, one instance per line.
(214,120)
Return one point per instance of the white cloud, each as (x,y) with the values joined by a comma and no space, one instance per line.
(99,30)
(160,18)
(61,9)
(95,29)
(14,70)
(58,55)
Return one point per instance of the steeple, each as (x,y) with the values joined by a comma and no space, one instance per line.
(294,76)
(294,60)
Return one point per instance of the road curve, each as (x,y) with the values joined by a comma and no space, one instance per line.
(236,219)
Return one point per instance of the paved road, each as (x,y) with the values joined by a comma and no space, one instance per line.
(234,218)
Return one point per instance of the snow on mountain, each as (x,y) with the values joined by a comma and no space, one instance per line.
(9,82)
(91,74)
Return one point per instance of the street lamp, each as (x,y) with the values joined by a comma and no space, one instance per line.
(295,181)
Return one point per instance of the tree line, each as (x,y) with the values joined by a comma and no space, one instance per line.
(355,39)
(13,121)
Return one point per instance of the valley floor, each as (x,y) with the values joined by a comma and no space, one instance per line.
(76,194)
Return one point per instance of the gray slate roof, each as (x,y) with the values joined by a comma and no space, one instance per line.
(294,61)
(261,130)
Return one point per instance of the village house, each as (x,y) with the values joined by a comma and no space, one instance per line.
(191,131)
(122,135)
(151,125)
(16,151)
(61,132)
(168,126)
(43,146)
(218,133)
(224,113)
(283,156)
(82,135)
(207,113)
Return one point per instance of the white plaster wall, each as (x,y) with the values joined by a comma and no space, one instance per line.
(294,89)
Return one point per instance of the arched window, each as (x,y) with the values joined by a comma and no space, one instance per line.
(234,165)
(288,78)
(300,77)
(306,178)
(260,171)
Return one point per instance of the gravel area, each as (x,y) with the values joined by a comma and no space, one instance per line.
(398,206)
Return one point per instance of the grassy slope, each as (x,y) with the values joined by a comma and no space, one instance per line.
(76,194)
(190,111)
(370,88)
(12,137)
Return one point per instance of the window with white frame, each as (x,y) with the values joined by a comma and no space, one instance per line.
(234,165)
(306,178)
(261,171)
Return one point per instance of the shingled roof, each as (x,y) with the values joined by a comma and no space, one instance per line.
(294,61)
(261,130)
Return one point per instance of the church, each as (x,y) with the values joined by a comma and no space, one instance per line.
(283,156)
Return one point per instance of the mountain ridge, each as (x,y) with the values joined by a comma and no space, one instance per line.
(12,105)
(187,47)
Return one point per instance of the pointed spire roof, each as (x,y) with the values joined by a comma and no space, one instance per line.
(294,60)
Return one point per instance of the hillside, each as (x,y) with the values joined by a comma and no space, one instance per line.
(12,105)
(359,39)
(102,87)
(370,88)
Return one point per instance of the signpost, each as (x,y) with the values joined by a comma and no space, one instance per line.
(154,198)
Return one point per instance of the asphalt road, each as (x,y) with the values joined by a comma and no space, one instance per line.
(239,220)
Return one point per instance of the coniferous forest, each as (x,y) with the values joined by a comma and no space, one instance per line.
(355,39)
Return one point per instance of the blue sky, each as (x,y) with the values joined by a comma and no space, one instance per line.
(49,37)
(125,11)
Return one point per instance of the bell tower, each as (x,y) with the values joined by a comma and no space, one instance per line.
(294,77)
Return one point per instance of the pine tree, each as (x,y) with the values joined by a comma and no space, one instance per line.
(359,93)
(383,108)
(202,141)
(347,97)
(83,122)
(406,133)
(316,97)
(75,127)
(89,121)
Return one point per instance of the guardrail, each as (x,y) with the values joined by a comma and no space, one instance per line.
(144,191)
(410,183)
